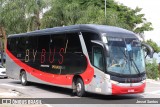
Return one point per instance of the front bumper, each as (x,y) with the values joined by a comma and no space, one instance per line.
(117,90)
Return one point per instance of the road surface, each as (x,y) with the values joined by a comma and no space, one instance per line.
(34,90)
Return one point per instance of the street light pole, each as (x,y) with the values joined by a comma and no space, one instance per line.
(105,8)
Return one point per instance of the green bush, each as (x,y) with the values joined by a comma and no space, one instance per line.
(152,69)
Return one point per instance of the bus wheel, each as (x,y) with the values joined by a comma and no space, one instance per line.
(80,88)
(23,78)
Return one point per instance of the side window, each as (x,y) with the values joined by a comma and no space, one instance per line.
(57,49)
(32,42)
(9,44)
(98,58)
(13,44)
(21,44)
(43,43)
(73,44)
(88,36)
(57,41)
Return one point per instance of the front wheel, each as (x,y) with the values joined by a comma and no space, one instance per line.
(23,78)
(80,88)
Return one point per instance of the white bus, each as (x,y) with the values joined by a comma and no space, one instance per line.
(86,58)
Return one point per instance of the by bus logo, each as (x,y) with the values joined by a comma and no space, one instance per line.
(6,101)
(44,57)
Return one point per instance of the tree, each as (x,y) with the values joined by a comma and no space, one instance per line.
(67,12)
(19,16)
(27,15)
(155,47)
(34,10)
(152,69)
(1,18)
(12,16)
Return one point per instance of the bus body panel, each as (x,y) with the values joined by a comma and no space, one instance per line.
(95,80)
(14,72)
(37,80)
(60,80)
(100,83)
(13,69)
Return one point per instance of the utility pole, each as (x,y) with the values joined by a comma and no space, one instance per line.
(105,7)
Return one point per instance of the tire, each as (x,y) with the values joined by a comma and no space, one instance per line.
(80,91)
(23,78)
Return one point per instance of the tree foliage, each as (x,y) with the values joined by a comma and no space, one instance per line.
(21,15)
(66,12)
(26,15)
(152,69)
(12,16)
(155,47)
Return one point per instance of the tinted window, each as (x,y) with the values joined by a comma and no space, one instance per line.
(73,43)
(88,36)
(21,46)
(12,44)
(33,42)
(9,44)
(43,43)
(57,41)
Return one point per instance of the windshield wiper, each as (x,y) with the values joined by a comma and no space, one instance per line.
(135,66)
(131,59)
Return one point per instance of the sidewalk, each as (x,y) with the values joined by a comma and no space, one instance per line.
(153,81)
(4,93)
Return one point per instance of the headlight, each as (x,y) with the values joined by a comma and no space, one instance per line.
(114,82)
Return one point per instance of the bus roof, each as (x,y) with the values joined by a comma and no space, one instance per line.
(109,30)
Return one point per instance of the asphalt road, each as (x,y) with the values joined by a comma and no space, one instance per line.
(35,90)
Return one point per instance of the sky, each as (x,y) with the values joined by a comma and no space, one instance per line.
(151,10)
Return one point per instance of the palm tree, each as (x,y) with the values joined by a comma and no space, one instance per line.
(34,12)
(21,15)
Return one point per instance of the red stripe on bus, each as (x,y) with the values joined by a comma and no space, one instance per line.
(127,90)
(87,75)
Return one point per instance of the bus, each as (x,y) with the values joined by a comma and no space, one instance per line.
(92,58)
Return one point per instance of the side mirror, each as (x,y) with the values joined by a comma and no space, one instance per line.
(150,50)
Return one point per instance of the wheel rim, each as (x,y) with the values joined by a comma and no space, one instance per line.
(23,78)
(79,87)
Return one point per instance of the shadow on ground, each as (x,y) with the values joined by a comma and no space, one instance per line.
(66,91)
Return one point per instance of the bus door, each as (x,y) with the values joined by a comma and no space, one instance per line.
(98,61)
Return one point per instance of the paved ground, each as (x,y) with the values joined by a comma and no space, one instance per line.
(13,89)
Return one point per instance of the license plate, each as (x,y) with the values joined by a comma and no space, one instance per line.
(131,90)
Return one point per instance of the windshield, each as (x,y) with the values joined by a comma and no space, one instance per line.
(126,56)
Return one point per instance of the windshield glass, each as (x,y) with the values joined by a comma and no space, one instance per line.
(126,56)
